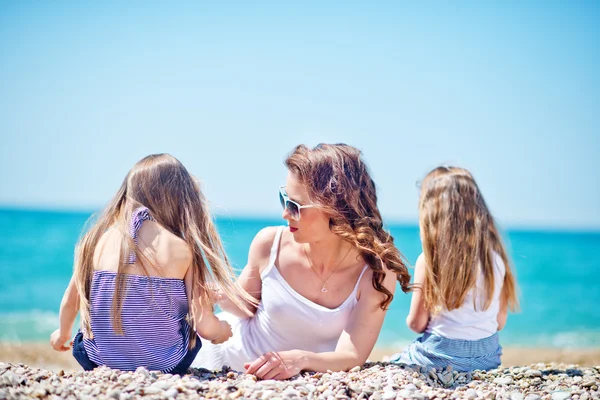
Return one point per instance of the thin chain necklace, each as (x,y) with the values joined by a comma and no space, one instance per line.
(324,287)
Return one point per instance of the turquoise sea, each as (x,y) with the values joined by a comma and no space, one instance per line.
(556,271)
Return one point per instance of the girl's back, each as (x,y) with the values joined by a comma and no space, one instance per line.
(155,304)
(471,321)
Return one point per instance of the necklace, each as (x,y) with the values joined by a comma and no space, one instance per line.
(324,287)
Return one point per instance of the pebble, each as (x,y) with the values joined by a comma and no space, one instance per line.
(411,386)
(533,373)
(162,385)
(561,395)
(532,396)
(390,395)
(516,396)
(503,380)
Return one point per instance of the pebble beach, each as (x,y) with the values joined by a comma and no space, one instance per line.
(376,381)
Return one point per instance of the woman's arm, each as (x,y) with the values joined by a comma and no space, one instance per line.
(353,348)
(69,307)
(207,325)
(250,280)
(418,316)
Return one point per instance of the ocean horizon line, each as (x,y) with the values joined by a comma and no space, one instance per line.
(276,219)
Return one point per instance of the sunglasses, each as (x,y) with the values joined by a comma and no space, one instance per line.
(291,206)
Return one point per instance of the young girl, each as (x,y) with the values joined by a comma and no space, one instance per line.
(463,281)
(141,271)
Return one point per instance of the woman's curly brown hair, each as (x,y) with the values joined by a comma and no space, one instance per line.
(337,179)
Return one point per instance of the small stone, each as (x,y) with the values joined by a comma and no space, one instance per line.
(516,396)
(533,396)
(152,390)
(410,387)
(406,394)
(355,369)
(375,396)
(589,383)
(171,393)
(114,393)
(561,395)
(267,394)
(446,378)
(162,385)
(470,394)
(503,380)
(533,373)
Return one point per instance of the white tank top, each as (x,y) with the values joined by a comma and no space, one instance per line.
(284,320)
(467,323)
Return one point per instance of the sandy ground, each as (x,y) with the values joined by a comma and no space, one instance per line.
(41,355)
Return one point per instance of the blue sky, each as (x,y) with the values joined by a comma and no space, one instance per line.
(509,90)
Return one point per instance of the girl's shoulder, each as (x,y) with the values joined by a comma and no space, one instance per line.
(168,248)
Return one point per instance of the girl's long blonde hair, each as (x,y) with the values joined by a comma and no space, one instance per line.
(174,199)
(459,240)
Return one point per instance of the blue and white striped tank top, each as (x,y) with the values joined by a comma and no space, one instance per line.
(156,333)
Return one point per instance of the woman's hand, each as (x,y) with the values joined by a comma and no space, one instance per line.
(280,365)
(58,340)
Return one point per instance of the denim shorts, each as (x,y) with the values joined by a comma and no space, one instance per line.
(432,351)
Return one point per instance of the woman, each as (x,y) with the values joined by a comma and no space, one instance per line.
(332,273)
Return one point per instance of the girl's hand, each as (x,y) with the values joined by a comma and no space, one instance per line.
(58,340)
(225,333)
(280,365)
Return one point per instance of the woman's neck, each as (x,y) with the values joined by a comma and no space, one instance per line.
(330,254)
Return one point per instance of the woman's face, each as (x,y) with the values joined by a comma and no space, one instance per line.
(313,223)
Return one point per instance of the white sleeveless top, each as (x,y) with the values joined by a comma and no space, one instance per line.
(280,323)
(467,322)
